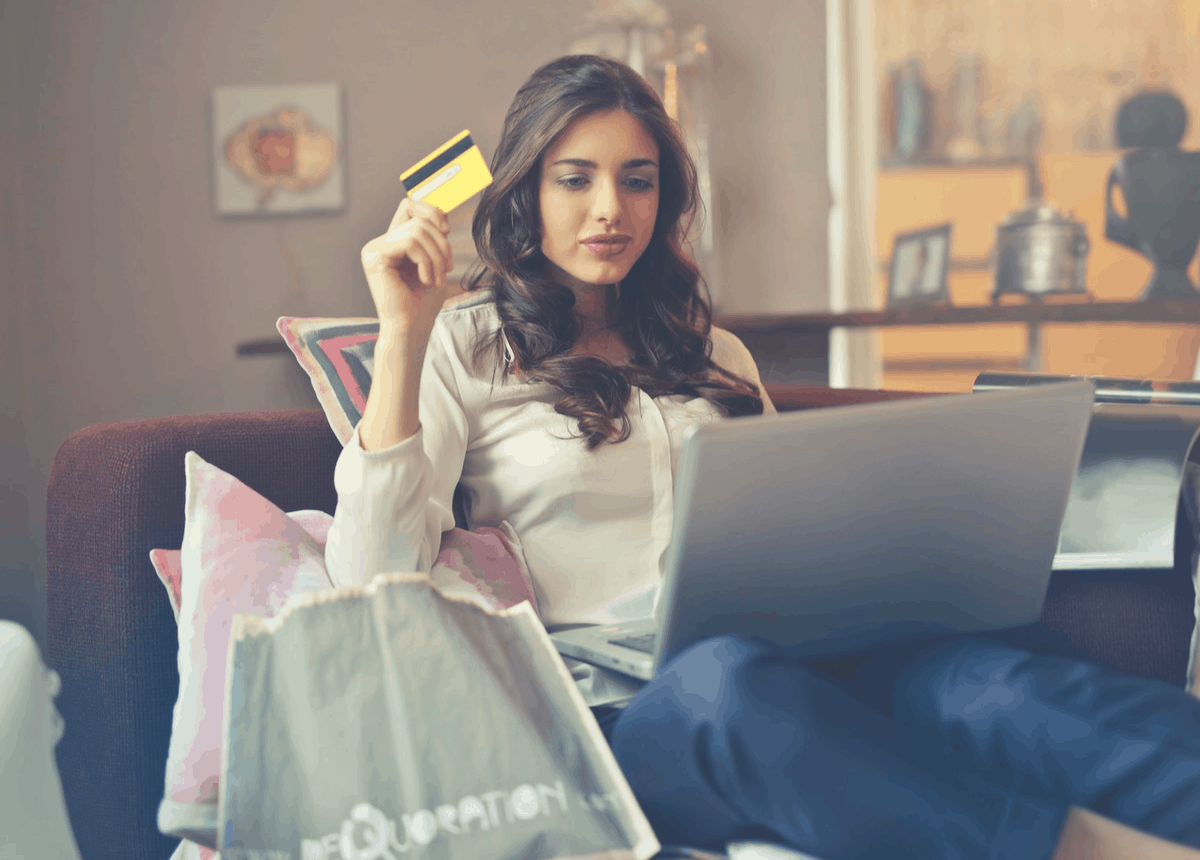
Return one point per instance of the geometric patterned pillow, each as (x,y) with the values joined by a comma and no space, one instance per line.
(338,356)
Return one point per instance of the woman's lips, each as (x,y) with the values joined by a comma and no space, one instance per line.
(606,250)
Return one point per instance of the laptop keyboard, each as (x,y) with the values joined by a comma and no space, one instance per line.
(641,642)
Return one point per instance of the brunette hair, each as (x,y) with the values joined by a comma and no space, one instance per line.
(660,312)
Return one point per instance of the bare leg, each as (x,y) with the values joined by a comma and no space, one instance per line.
(1088,836)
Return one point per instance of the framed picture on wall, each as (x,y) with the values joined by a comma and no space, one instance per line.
(278,150)
(920,259)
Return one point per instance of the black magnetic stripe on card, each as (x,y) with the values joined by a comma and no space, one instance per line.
(438,163)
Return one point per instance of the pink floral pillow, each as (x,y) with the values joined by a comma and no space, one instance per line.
(485,564)
(168,563)
(242,554)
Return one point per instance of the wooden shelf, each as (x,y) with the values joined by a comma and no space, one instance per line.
(1175,311)
(1032,314)
(1000,163)
(956,264)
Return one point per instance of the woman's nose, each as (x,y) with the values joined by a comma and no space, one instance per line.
(607,204)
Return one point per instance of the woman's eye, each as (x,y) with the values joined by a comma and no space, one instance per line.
(572,182)
(639,184)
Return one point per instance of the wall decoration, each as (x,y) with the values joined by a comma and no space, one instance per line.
(920,259)
(278,150)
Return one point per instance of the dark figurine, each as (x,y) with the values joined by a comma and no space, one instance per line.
(1161,187)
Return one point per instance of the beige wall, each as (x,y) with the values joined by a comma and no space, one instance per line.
(130,294)
(18,479)
(769,165)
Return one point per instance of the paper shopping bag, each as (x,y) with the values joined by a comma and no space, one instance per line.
(393,721)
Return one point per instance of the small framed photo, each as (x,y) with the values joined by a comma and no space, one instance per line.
(278,150)
(919,262)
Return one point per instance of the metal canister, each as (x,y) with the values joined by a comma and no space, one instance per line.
(1040,251)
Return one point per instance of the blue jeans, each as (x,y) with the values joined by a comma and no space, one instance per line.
(979,752)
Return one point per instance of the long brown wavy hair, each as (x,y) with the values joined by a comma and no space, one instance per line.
(660,312)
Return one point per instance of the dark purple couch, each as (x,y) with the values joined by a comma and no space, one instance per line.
(117,490)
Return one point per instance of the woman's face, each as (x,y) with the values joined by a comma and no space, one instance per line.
(598,199)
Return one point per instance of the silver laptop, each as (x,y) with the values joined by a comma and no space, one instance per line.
(836,530)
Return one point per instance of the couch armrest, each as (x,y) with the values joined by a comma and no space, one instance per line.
(116,491)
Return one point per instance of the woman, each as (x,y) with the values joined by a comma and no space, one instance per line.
(558,395)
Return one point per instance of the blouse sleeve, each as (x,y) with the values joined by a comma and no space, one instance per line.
(394,503)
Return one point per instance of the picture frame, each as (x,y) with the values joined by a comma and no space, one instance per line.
(278,150)
(920,261)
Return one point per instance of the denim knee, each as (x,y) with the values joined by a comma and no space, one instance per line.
(662,742)
(699,687)
(735,735)
(705,676)
(1126,747)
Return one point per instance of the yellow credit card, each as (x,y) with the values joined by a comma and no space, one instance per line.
(449,175)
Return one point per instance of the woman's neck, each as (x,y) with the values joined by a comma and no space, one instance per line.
(594,308)
(594,303)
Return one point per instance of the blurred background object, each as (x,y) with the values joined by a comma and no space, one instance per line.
(1054,92)
(1159,187)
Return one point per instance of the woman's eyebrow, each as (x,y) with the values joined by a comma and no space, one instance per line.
(583,162)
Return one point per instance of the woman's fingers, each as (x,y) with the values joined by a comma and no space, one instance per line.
(437,246)
(410,209)
(435,251)
(432,213)
(414,252)
(391,248)
(403,213)
(420,258)
(443,244)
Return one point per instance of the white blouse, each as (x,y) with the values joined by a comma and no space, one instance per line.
(593,526)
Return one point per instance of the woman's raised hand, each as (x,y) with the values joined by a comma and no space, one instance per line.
(406,269)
